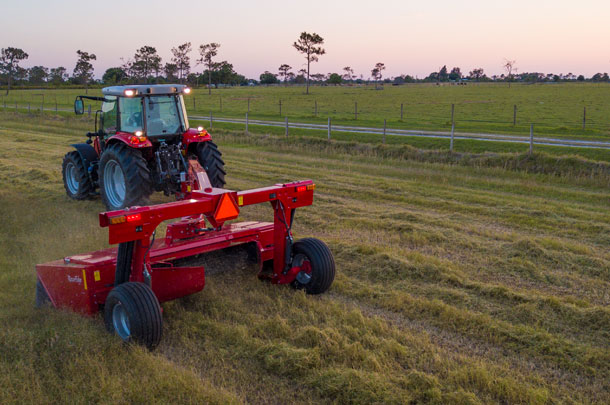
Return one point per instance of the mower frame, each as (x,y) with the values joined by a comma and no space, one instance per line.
(83,282)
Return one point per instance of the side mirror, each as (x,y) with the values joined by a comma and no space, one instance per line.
(79,106)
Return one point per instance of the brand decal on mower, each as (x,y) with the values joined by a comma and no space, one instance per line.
(75,279)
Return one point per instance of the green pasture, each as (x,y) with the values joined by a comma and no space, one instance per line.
(554,109)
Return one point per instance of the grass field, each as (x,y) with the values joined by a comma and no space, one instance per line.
(455,284)
(554,109)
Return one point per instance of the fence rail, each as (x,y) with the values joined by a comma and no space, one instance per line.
(57,105)
(384,131)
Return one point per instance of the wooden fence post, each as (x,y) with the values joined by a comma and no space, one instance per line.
(531,139)
(329,128)
(452,135)
(452,113)
(384,129)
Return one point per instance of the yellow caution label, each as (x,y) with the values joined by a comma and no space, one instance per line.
(240,200)
(84,279)
(188,189)
(96,275)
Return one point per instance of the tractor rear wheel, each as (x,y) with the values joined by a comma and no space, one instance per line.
(124,177)
(132,311)
(210,159)
(317,265)
(76,180)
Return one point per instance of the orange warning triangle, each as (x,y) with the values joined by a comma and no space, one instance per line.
(226,209)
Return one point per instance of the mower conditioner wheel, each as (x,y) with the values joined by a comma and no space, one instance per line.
(210,159)
(317,263)
(76,181)
(132,311)
(124,177)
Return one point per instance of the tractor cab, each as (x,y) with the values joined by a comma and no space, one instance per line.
(153,111)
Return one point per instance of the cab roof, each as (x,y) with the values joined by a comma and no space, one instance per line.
(142,90)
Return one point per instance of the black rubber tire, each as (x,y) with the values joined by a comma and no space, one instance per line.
(85,186)
(142,309)
(322,265)
(42,298)
(138,183)
(210,159)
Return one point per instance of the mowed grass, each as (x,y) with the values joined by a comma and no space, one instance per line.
(554,109)
(454,284)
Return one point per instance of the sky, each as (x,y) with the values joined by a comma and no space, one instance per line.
(410,37)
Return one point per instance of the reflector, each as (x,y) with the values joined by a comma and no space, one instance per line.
(117,220)
(226,209)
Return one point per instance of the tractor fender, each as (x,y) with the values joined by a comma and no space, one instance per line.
(125,138)
(192,137)
(88,155)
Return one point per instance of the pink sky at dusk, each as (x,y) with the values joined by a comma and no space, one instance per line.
(409,37)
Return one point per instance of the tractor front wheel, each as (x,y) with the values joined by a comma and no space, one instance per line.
(76,180)
(210,159)
(124,177)
(132,311)
(317,265)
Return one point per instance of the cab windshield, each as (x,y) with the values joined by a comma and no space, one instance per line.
(164,115)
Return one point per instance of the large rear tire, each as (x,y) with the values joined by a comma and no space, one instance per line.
(76,180)
(124,177)
(132,311)
(210,159)
(317,263)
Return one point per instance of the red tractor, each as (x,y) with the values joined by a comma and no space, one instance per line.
(142,143)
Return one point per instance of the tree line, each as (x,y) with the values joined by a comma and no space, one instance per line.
(146,66)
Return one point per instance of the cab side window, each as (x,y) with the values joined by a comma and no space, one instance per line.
(131,114)
(109,115)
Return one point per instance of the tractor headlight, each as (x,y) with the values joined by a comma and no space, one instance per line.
(187,90)
(137,137)
(129,93)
